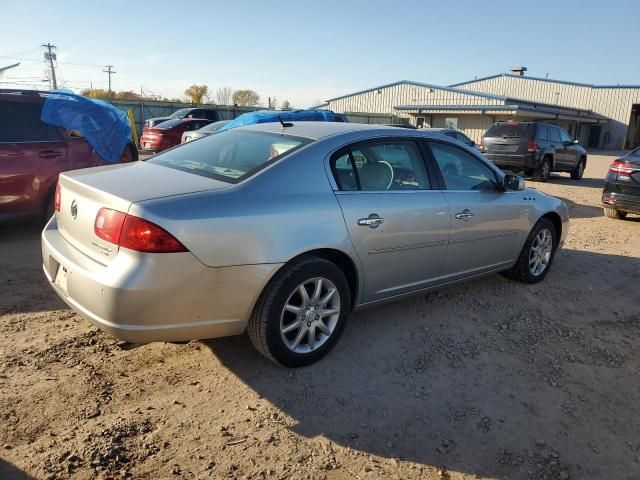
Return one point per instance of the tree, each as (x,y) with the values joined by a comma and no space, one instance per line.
(126,95)
(246,98)
(196,93)
(224,96)
(286,105)
(95,93)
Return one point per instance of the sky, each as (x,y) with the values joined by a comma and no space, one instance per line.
(304,51)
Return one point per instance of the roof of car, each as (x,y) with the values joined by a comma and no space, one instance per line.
(316,130)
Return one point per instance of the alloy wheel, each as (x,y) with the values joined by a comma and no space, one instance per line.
(310,315)
(540,253)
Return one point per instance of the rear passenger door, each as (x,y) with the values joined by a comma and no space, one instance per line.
(488,224)
(32,154)
(398,224)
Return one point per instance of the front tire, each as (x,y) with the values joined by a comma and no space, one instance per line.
(537,254)
(616,214)
(576,173)
(301,314)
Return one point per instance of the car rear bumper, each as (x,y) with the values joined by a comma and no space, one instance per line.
(622,202)
(514,161)
(143,298)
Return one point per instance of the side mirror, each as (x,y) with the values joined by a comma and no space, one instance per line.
(513,182)
(576,141)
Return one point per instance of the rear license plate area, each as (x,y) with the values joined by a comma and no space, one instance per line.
(60,278)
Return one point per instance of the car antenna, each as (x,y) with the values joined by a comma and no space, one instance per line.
(284,124)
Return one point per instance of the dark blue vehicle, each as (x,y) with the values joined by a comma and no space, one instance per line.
(270,116)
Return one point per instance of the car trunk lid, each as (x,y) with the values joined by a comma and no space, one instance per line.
(84,192)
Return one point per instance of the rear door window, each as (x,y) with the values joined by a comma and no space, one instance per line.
(20,123)
(554,134)
(543,133)
(379,166)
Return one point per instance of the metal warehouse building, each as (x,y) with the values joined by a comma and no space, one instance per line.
(600,116)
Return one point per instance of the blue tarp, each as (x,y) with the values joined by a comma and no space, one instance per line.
(267,116)
(105,127)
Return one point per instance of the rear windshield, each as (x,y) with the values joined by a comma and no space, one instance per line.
(230,156)
(634,153)
(511,130)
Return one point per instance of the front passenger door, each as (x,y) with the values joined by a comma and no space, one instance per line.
(569,158)
(488,224)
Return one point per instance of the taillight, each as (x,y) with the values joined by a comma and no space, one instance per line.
(108,225)
(623,168)
(481,147)
(532,146)
(134,233)
(56,198)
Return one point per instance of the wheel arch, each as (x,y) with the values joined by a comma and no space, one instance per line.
(339,258)
(557,222)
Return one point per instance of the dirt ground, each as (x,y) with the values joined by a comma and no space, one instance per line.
(490,379)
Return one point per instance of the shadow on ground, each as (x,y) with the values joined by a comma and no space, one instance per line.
(10,472)
(483,378)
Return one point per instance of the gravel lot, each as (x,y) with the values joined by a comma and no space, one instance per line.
(490,379)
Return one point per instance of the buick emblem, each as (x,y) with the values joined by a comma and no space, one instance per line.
(74,209)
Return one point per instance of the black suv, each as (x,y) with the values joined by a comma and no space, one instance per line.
(535,148)
(206,113)
(621,194)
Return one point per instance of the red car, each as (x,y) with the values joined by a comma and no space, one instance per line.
(169,134)
(33,153)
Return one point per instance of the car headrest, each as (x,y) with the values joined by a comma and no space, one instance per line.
(376,176)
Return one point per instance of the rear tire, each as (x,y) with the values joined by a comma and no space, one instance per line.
(537,254)
(613,213)
(543,173)
(294,329)
(576,173)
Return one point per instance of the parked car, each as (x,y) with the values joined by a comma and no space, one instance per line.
(33,153)
(203,132)
(169,134)
(401,125)
(457,134)
(279,116)
(205,113)
(621,193)
(221,235)
(535,148)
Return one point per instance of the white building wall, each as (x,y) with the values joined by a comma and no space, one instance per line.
(613,102)
(384,99)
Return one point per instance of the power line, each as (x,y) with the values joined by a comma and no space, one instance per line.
(110,72)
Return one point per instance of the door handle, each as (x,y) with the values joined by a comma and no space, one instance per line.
(464,215)
(49,154)
(372,221)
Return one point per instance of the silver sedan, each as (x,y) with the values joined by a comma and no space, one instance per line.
(203,132)
(284,230)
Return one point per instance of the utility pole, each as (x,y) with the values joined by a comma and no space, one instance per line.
(51,56)
(110,72)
